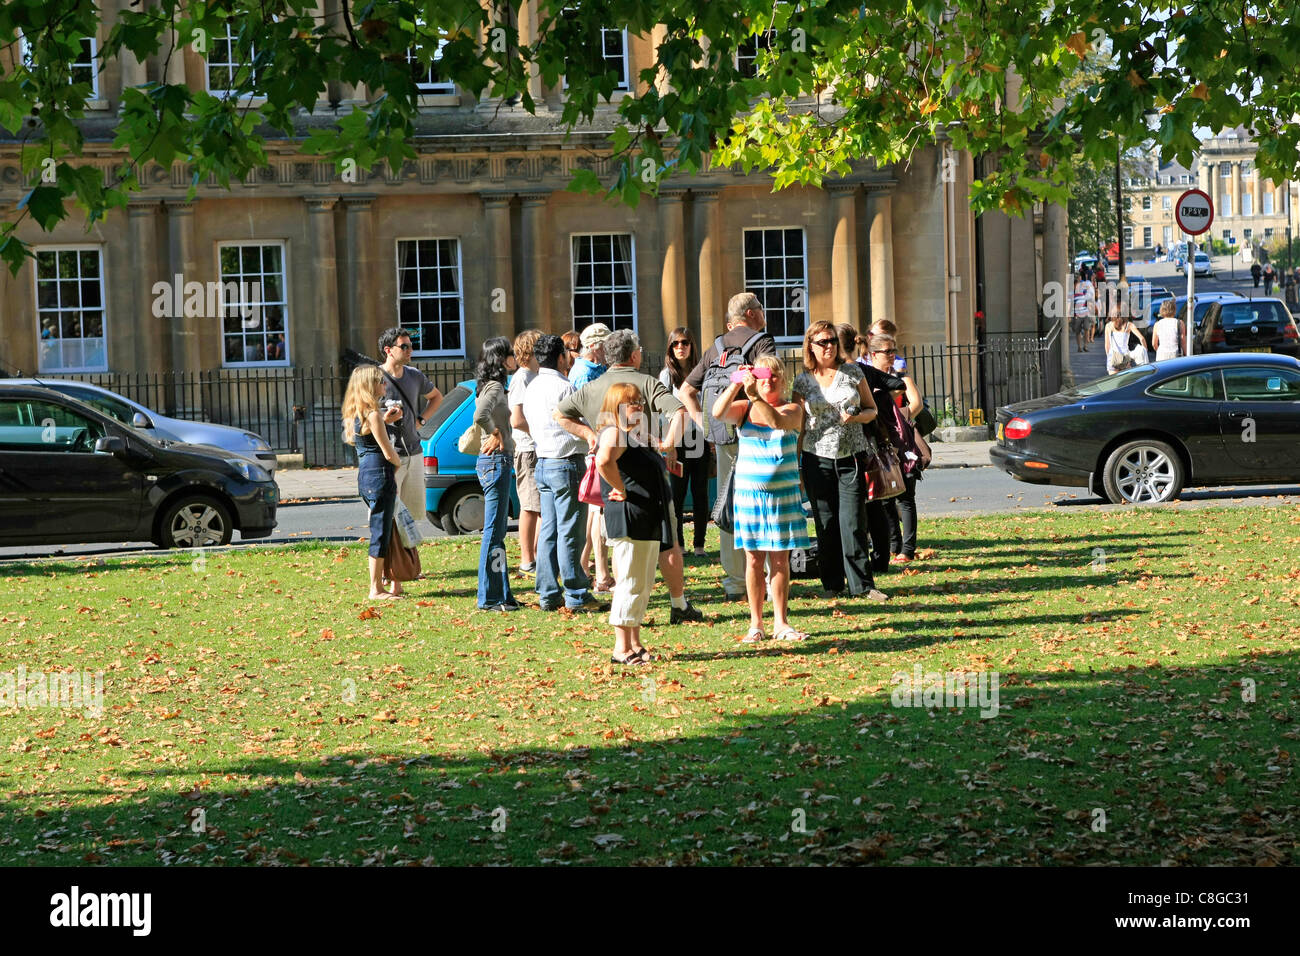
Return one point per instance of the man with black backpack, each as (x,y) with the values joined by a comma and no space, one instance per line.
(743,342)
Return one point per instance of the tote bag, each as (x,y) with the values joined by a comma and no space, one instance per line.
(589,487)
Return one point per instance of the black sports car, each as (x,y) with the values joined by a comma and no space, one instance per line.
(1143,434)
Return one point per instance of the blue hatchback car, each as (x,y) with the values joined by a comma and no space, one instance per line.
(452,494)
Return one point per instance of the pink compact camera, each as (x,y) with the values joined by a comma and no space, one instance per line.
(760,372)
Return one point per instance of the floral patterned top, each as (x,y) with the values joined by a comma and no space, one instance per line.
(825,434)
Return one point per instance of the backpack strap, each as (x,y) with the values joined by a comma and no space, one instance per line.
(749,343)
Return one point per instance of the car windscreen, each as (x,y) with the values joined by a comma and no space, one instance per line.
(1112,382)
(1240,314)
(104,404)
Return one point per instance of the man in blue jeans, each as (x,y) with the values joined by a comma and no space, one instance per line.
(561,462)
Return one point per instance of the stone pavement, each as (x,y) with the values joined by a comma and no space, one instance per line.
(299,484)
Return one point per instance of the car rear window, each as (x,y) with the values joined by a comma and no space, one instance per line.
(1112,382)
(450,402)
(1250,313)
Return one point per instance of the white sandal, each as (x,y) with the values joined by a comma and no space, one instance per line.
(754,636)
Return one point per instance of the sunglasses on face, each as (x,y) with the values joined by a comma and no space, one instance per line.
(681,345)
(886,352)
(824,343)
(405,348)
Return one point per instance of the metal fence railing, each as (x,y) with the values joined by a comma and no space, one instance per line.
(298,410)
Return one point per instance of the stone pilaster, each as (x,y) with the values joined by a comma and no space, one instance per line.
(844,253)
(708,257)
(672,282)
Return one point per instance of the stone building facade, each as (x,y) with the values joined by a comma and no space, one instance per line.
(478,237)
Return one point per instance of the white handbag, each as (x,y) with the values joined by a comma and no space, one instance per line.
(407,527)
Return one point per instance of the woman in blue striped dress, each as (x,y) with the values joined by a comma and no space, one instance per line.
(768,511)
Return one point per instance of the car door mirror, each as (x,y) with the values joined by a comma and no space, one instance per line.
(141,420)
(110,445)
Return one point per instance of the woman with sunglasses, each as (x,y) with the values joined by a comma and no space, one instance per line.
(900,512)
(837,404)
(693,451)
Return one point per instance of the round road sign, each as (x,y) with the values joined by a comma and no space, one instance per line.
(1194,212)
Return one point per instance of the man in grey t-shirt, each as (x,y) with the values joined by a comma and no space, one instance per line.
(406,384)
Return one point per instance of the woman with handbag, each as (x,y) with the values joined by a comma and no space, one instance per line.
(900,511)
(634,490)
(767,510)
(1120,355)
(365,427)
(494,469)
(837,404)
(692,450)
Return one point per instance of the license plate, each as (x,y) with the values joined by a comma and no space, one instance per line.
(1257,350)
(999,431)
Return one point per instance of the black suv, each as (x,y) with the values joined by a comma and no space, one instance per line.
(69,474)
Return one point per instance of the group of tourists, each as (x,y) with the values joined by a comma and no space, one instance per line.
(602,457)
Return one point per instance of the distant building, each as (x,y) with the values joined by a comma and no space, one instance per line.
(1247,207)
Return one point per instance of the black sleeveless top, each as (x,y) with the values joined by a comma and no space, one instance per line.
(645,515)
(364,444)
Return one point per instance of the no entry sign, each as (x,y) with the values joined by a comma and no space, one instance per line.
(1194,212)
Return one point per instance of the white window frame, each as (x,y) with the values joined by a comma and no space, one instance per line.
(1168,236)
(432,94)
(1246,235)
(1128,237)
(807,297)
(625,85)
(1266,203)
(1146,237)
(1166,202)
(234,67)
(1146,203)
(768,39)
(77,247)
(1247,203)
(1226,202)
(460,295)
(573,278)
(285,302)
(94,101)
(1227,234)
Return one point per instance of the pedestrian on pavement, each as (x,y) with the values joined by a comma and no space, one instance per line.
(579,413)
(1085,309)
(836,403)
(561,463)
(768,510)
(1291,292)
(365,426)
(1119,354)
(634,486)
(693,451)
(419,399)
(587,367)
(1167,335)
(1269,275)
(745,340)
(530,501)
(914,452)
(1255,272)
(492,415)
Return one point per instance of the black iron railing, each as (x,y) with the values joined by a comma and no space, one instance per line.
(298,410)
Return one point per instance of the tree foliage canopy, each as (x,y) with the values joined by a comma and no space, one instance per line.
(835,82)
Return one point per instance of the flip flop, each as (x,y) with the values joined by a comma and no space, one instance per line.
(790,634)
(754,635)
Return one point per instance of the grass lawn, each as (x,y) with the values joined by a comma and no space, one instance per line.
(257,688)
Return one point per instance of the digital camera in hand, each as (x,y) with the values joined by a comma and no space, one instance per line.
(759,372)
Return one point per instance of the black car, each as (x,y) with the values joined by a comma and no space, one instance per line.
(1143,434)
(1248,325)
(70,474)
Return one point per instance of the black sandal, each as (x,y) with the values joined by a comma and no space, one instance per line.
(630,660)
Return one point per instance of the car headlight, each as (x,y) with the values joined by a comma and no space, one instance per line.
(256,442)
(251,470)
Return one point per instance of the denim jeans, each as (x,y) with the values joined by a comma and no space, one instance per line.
(378,489)
(493,574)
(559,541)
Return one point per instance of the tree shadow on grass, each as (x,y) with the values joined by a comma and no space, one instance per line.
(1171,762)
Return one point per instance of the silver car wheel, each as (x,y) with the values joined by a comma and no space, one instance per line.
(198,526)
(1145,474)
